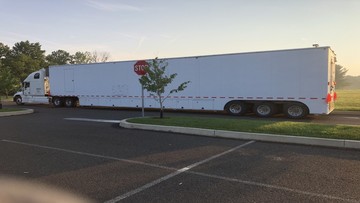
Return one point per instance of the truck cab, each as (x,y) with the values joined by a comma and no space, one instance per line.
(35,89)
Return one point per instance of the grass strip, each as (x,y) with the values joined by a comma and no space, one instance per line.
(348,100)
(9,110)
(269,127)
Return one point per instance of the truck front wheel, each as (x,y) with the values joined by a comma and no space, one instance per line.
(18,100)
(295,110)
(236,108)
(57,101)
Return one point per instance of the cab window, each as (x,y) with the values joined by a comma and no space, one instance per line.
(26,84)
(37,76)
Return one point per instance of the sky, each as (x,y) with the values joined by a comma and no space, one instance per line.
(144,29)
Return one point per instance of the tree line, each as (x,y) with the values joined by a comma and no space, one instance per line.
(17,62)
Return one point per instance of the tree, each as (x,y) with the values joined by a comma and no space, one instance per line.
(354,82)
(340,79)
(8,83)
(156,81)
(87,57)
(4,51)
(59,57)
(25,58)
(80,58)
(97,57)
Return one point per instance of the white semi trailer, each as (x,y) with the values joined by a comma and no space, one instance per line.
(296,82)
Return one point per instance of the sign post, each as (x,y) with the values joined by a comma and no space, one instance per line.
(140,69)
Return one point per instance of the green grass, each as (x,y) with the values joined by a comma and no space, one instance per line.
(3,98)
(9,109)
(348,100)
(269,127)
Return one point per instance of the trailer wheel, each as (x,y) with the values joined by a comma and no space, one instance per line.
(265,109)
(295,110)
(18,100)
(57,101)
(236,108)
(69,102)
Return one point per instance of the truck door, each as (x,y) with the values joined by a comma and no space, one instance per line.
(37,84)
(26,88)
(69,80)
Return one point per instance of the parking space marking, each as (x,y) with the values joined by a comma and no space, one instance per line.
(180,171)
(93,120)
(353,118)
(183,170)
(246,182)
(91,155)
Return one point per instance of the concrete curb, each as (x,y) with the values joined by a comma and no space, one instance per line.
(17,113)
(340,143)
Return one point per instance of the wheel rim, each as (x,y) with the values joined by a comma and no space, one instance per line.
(18,100)
(263,110)
(57,102)
(68,102)
(295,111)
(235,108)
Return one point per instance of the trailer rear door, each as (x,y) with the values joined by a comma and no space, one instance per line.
(331,97)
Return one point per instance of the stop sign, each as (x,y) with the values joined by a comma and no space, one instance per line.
(139,67)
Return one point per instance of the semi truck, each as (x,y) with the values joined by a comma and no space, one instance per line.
(295,82)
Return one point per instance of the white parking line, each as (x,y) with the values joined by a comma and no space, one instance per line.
(93,120)
(353,118)
(183,170)
(274,187)
(155,182)
(89,154)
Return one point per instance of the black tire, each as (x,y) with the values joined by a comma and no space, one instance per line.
(236,108)
(18,100)
(57,101)
(295,110)
(264,109)
(69,102)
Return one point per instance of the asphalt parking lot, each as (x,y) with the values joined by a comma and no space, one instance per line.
(105,163)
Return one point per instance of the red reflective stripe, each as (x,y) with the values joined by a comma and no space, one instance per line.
(200,97)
